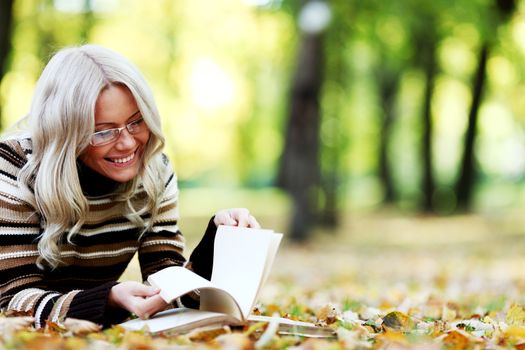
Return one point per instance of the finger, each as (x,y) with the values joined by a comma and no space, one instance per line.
(243,221)
(224,218)
(241,215)
(142,290)
(252,222)
(145,308)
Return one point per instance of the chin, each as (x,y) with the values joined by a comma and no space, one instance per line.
(122,178)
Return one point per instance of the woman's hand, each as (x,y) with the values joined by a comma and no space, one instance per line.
(235,217)
(140,299)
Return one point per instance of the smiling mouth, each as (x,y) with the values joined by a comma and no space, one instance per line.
(122,160)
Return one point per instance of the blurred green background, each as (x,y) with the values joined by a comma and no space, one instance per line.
(309,112)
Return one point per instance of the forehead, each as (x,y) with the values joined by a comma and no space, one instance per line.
(115,105)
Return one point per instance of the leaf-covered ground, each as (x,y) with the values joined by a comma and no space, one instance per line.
(382,281)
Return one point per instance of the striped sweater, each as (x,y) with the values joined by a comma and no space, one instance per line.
(98,255)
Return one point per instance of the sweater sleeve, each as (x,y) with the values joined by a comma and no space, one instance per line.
(201,259)
(92,304)
(23,285)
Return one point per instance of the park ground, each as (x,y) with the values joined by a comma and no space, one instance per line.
(382,279)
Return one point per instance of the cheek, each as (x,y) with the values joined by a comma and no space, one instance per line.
(144,139)
(92,154)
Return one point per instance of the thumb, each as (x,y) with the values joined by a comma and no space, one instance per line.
(142,290)
(224,218)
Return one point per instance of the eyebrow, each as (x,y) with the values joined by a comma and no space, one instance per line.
(111,123)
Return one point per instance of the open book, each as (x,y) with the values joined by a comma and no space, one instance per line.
(242,261)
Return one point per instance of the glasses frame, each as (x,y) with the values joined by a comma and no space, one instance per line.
(118,130)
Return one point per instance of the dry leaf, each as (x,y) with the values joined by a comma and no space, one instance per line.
(9,325)
(516,315)
(79,327)
(448,314)
(16,313)
(457,340)
(234,341)
(207,334)
(327,314)
(515,333)
(44,342)
(398,321)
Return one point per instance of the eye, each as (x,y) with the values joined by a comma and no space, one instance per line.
(104,135)
(136,122)
(136,125)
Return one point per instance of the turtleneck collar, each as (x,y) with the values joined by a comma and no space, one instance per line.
(94,184)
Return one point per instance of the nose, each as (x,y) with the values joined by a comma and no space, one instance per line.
(125,141)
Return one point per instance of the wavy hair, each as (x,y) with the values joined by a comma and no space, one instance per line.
(60,122)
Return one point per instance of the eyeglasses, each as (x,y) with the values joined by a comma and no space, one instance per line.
(104,137)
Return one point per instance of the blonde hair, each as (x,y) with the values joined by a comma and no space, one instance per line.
(60,122)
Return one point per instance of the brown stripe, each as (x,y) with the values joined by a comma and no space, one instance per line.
(98,262)
(15,262)
(21,207)
(65,306)
(160,247)
(20,281)
(148,269)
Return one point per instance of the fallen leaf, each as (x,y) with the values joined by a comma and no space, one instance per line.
(234,341)
(79,327)
(8,325)
(457,340)
(515,333)
(327,314)
(207,334)
(398,321)
(516,315)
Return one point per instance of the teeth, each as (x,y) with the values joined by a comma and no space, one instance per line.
(123,160)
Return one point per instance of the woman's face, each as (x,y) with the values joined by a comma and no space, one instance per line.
(121,159)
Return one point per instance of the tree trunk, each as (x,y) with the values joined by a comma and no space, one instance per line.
(466,178)
(299,170)
(465,182)
(388,82)
(6,19)
(428,177)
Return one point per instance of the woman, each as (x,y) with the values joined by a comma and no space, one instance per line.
(84,188)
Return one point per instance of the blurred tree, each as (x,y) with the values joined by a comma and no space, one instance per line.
(299,170)
(46,33)
(87,22)
(6,19)
(387,35)
(388,80)
(425,37)
(337,82)
(465,182)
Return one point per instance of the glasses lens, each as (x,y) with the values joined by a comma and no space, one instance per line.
(136,126)
(103,137)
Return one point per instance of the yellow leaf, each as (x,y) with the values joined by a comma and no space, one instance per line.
(327,314)
(393,336)
(456,340)
(80,326)
(12,324)
(516,315)
(398,321)
(234,341)
(515,332)
(448,314)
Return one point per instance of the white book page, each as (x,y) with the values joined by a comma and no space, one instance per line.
(176,281)
(272,253)
(176,319)
(241,263)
